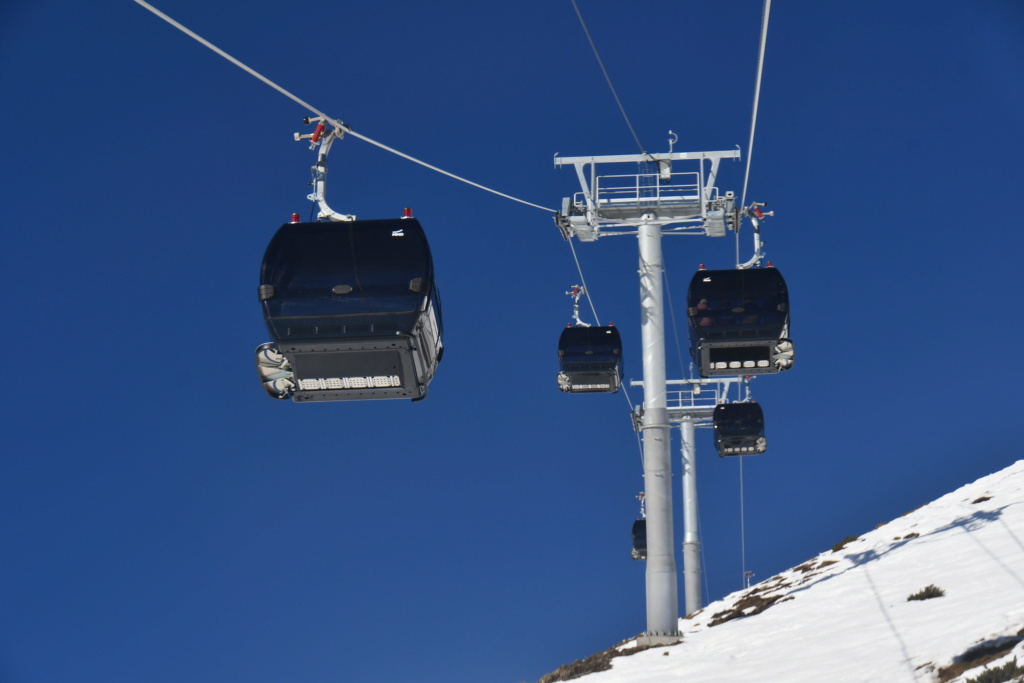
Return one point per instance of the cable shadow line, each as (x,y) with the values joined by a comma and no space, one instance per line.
(892,626)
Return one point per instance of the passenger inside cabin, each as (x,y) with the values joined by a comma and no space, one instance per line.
(703,319)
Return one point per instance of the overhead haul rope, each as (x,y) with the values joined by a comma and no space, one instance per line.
(743,533)
(743,202)
(337,124)
(743,205)
(597,321)
(672,314)
(348,130)
(757,97)
(629,124)
(607,78)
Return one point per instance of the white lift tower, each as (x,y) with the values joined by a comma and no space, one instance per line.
(658,200)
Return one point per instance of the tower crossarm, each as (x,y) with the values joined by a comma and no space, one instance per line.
(695,399)
(660,194)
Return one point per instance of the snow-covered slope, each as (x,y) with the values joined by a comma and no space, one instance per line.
(845,616)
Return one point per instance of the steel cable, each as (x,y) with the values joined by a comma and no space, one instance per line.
(607,78)
(337,124)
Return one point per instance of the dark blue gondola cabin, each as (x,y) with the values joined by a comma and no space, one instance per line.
(739,429)
(639,551)
(353,311)
(739,322)
(590,360)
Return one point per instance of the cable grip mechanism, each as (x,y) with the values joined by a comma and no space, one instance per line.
(324,139)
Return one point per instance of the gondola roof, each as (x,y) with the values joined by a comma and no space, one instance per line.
(374,257)
(581,339)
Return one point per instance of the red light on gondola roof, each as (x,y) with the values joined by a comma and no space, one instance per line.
(295,218)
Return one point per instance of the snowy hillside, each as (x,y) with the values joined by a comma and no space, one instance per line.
(845,615)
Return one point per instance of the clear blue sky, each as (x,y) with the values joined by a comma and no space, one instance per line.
(161,519)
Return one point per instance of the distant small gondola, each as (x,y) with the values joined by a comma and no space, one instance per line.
(739,322)
(739,429)
(353,311)
(590,360)
(640,539)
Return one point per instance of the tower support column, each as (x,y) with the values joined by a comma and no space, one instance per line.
(662,586)
(691,526)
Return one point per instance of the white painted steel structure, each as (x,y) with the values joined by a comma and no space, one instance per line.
(691,406)
(650,204)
